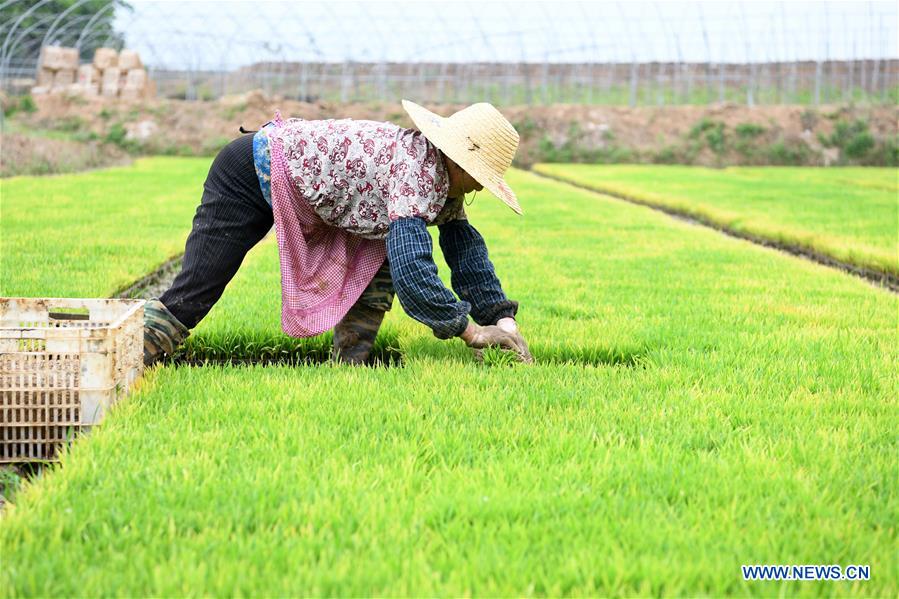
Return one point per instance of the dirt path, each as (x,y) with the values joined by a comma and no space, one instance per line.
(153,284)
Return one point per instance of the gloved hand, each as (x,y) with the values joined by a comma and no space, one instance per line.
(504,335)
(509,325)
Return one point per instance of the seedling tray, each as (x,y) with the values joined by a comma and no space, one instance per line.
(63,363)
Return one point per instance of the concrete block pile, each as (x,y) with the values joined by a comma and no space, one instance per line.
(112,74)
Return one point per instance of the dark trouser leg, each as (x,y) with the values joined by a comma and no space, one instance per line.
(233,216)
(355,334)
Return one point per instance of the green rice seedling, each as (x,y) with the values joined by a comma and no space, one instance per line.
(847,213)
(494,356)
(10,481)
(698,403)
(91,234)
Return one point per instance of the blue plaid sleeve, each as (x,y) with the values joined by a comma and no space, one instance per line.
(473,277)
(421,292)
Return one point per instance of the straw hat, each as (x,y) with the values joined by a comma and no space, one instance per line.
(478,138)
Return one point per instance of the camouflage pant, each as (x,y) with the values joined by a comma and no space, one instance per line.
(163,333)
(355,335)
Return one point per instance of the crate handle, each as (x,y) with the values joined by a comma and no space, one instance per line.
(69,314)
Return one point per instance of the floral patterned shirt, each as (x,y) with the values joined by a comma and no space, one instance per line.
(361,175)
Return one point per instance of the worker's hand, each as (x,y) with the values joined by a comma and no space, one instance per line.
(509,325)
(478,337)
(504,335)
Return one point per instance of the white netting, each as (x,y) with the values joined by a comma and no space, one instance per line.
(506,52)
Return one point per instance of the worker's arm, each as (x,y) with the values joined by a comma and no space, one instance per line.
(425,298)
(475,281)
(422,294)
(473,277)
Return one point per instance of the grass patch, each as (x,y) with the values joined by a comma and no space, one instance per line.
(847,213)
(857,144)
(89,234)
(250,347)
(740,410)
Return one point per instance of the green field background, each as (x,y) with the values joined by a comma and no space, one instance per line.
(93,233)
(698,403)
(851,213)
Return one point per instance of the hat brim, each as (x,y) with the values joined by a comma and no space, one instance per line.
(451,141)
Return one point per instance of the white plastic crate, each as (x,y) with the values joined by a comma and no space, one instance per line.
(63,363)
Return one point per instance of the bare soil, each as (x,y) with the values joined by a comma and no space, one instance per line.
(22,154)
(587,133)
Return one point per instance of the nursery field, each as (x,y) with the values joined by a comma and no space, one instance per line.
(698,403)
(847,213)
(90,234)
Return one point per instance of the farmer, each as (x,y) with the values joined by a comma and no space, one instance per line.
(350,200)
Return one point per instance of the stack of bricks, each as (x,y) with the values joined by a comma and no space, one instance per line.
(56,71)
(111,75)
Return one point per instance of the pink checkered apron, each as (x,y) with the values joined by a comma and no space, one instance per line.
(324,269)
